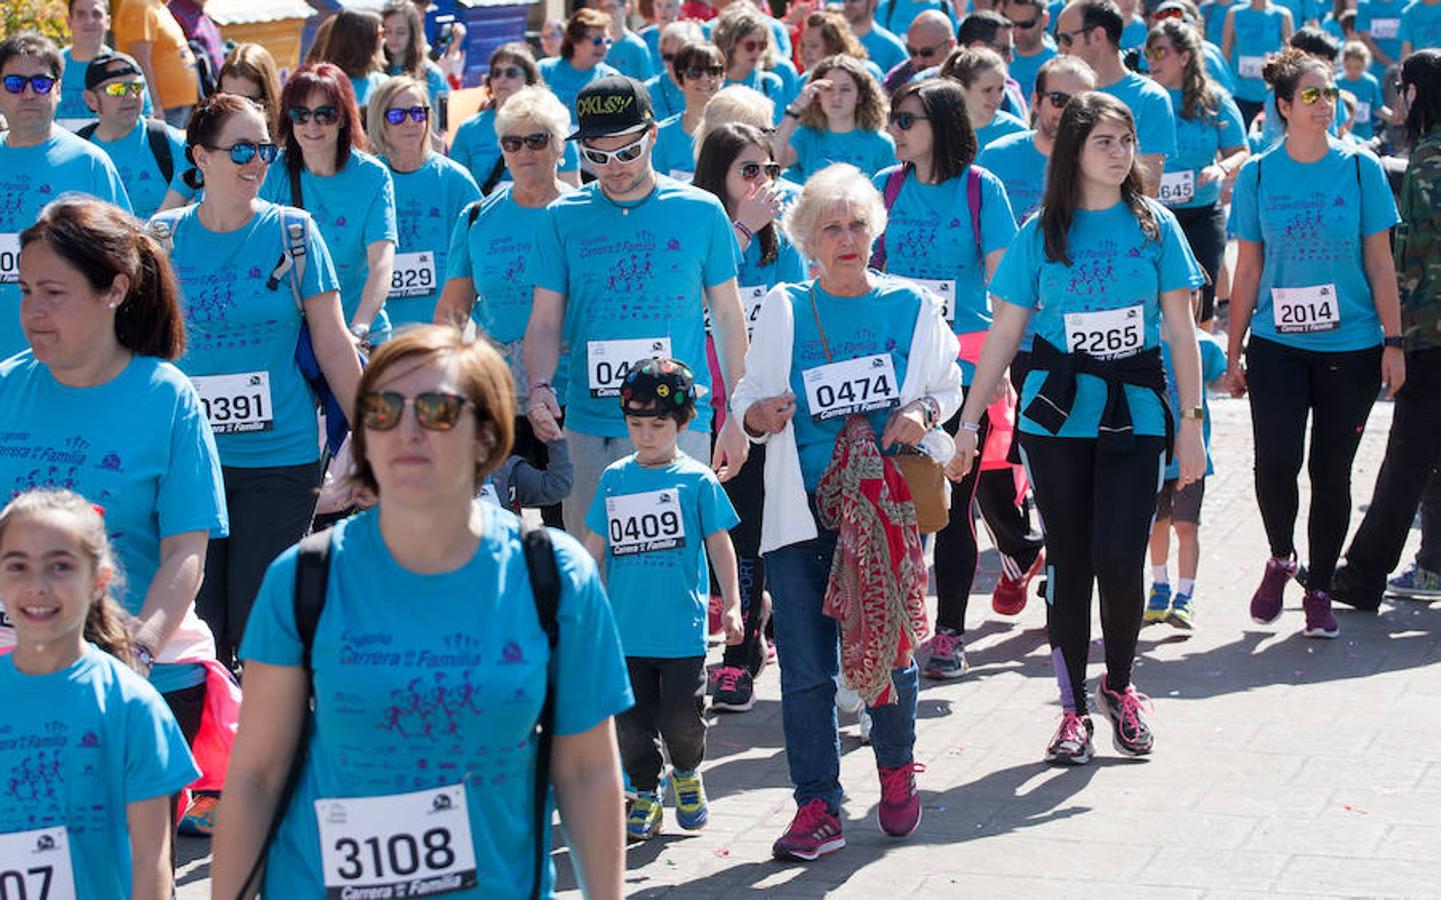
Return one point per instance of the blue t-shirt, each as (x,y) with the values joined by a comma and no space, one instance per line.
(1115,266)
(353,209)
(238,326)
(436,87)
(630,56)
(666,97)
(769,84)
(929,235)
(364,84)
(880,322)
(656,573)
(1024,68)
(1258,32)
(1382,20)
(1369,100)
(1198,141)
(1213,14)
(1151,108)
(446,692)
(883,47)
(637,272)
(477,147)
(650,34)
(1134,34)
(72,114)
(1421,25)
(788,266)
(77,746)
(1312,218)
(1001,124)
(1015,160)
(139,171)
(30,177)
(869,151)
(566,81)
(427,203)
(1213,366)
(897,15)
(674,150)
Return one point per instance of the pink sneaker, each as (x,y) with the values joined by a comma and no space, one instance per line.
(814,832)
(1320,622)
(900,810)
(1266,602)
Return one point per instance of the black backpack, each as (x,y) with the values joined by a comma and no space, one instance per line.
(207,80)
(312,572)
(156,134)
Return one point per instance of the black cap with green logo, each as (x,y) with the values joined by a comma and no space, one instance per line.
(614,104)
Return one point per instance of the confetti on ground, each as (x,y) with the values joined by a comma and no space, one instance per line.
(1359,812)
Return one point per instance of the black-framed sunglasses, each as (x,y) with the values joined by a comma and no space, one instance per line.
(507,72)
(324,115)
(242,152)
(904,120)
(1057,99)
(694,73)
(434,410)
(513,142)
(40,84)
(752,170)
(1025,26)
(396,114)
(1067,38)
(1310,95)
(923,52)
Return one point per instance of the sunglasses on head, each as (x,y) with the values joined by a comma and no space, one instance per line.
(507,72)
(1310,95)
(324,115)
(395,115)
(1169,14)
(1155,54)
(693,73)
(627,154)
(242,152)
(513,142)
(923,52)
(752,170)
(434,411)
(1058,100)
(904,120)
(41,84)
(121,88)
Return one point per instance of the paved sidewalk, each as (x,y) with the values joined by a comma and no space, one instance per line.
(1283,766)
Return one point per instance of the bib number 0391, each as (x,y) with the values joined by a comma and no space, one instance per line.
(400,845)
(238,403)
(35,865)
(858,385)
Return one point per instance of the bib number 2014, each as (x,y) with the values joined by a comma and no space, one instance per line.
(1306,309)
(35,865)
(401,845)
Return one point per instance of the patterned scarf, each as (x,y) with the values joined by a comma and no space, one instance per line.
(877,589)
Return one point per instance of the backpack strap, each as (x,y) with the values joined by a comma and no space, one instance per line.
(297,197)
(973,200)
(472,213)
(294,239)
(894,182)
(158,135)
(545,585)
(88,132)
(493,178)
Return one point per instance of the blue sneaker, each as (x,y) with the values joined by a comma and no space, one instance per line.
(691,812)
(1158,606)
(1416,583)
(1183,612)
(643,823)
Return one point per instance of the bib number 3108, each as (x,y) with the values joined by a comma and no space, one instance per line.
(35,865)
(400,845)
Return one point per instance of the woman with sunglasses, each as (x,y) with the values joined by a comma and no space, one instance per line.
(665,93)
(474,145)
(324,171)
(244,324)
(1211,144)
(742,34)
(1252,30)
(699,70)
(931,241)
(1316,287)
(429,668)
(431,192)
(981,73)
(838,117)
(582,56)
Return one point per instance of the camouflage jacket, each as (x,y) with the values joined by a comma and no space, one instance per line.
(1418,245)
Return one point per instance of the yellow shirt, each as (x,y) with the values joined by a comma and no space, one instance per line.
(141,21)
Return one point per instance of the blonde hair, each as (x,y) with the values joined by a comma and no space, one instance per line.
(379,102)
(538,105)
(736,103)
(836,184)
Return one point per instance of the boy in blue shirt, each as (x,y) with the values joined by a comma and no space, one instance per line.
(655,516)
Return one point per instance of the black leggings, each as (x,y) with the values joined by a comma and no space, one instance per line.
(955,553)
(1335,391)
(1098,507)
(1205,230)
(1006,521)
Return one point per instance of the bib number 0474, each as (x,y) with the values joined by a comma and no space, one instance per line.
(858,385)
(399,845)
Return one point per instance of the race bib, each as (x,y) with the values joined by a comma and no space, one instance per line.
(400,845)
(858,385)
(1303,309)
(236,403)
(9,258)
(412,276)
(1385,29)
(35,865)
(1108,333)
(1250,66)
(643,523)
(945,291)
(607,362)
(751,297)
(1362,113)
(1178,188)
(682,176)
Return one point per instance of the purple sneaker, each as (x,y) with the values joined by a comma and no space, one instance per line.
(1266,602)
(1320,623)
(814,832)
(900,809)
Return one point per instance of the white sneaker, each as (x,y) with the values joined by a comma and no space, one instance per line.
(864,719)
(848,701)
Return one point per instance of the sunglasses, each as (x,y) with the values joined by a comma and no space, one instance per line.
(397,114)
(41,84)
(600,41)
(1169,14)
(1025,26)
(627,154)
(242,152)
(923,52)
(507,72)
(1155,54)
(751,46)
(752,170)
(434,411)
(121,88)
(324,115)
(667,57)
(1067,38)
(1057,99)
(1310,95)
(694,73)
(512,143)
(904,120)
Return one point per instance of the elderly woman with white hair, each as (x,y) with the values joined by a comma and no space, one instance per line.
(846,371)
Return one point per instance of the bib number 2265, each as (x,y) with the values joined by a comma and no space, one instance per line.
(854,386)
(1106,334)
(400,845)
(35,865)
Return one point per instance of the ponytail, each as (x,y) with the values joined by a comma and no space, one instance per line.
(106,626)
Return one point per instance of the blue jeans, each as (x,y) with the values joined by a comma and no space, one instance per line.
(807,641)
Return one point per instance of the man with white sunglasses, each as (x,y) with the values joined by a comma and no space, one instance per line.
(626,268)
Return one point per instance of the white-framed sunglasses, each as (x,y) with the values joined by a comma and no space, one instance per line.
(627,154)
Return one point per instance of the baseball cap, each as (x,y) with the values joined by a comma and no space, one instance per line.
(659,386)
(614,104)
(110,65)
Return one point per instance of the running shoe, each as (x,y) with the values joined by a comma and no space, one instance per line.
(1129,732)
(1416,583)
(643,823)
(1072,745)
(1158,605)
(899,811)
(848,701)
(691,811)
(814,832)
(199,818)
(947,657)
(734,690)
(1183,612)
(863,719)
(1009,597)
(1266,602)
(1320,622)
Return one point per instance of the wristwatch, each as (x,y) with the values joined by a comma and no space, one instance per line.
(1396,341)
(361,332)
(143,655)
(1197,413)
